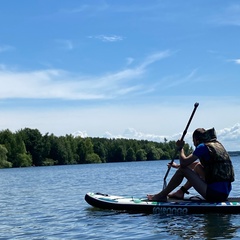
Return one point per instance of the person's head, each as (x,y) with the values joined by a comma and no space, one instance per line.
(197,136)
(200,135)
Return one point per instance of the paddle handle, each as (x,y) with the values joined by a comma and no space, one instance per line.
(183,135)
(189,121)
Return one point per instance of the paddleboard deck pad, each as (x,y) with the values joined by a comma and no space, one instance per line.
(171,206)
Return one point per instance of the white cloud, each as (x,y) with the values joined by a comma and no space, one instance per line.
(130,133)
(82,134)
(230,134)
(229,137)
(237,61)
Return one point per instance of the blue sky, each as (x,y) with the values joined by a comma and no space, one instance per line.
(121,68)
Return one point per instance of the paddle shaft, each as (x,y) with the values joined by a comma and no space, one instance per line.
(183,135)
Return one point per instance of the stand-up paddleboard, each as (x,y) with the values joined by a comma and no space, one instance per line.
(171,206)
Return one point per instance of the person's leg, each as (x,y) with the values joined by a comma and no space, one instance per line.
(173,183)
(195,180)
(200,171)
(179,194)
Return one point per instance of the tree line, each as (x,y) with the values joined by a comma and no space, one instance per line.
(28,147)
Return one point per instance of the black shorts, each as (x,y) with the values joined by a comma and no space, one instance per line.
(215,196)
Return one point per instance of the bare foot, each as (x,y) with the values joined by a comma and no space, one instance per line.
(156,198)
(179,194)
(150,197)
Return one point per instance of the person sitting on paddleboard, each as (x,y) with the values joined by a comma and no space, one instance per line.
(211,178)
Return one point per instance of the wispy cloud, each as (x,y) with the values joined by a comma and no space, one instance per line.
(107,38)
(174,81)
(102,6)
(59,84)
(228,16)
(86,8)
(155,57)
(130,60)
(5,48)
(65,44)
(237,61)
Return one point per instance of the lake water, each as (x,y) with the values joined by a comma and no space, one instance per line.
(48,203)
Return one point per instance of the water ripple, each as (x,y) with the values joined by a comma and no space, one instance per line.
(48,203)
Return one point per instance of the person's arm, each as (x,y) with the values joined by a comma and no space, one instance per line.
(186,160)
(174,165)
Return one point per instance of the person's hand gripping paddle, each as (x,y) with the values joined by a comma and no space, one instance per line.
(176,151)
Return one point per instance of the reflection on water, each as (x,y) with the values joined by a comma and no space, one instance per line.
(217,226)
(196,226)
(207,226)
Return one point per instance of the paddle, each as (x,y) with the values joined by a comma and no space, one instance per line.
(176,151)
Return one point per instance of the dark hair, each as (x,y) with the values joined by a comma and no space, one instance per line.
(203,135)
(198,133)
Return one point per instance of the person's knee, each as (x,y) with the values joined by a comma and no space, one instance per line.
(185,170)
(199,170)
(198,167)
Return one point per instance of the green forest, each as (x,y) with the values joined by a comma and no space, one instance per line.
(28,147)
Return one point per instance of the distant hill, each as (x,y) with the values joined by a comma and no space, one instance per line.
(234,153)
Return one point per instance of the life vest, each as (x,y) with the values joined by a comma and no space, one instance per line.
(219,167)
